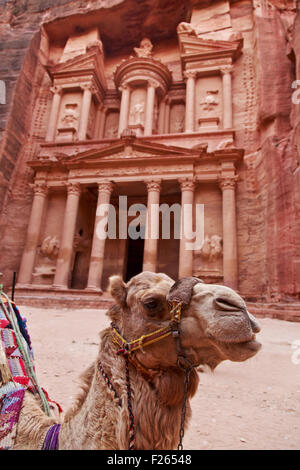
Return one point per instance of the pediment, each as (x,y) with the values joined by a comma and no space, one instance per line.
(129,151)
(192,45)
(90,60)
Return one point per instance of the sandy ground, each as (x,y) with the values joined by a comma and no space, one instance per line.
(251,405)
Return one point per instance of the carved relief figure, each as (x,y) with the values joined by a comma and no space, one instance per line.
(211,248)
(50,247)
(49,251)
(145,49)
(210,101)
(137,114)
(71,115)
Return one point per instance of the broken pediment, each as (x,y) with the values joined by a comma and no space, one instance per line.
(194,46)
(84,65)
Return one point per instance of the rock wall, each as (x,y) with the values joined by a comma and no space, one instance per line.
(266,119)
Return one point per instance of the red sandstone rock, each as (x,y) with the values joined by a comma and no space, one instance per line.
(265,120)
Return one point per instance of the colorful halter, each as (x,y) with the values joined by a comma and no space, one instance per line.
(145,340)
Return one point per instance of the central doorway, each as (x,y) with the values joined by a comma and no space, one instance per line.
(135,254)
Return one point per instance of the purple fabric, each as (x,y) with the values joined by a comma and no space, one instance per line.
(51,439)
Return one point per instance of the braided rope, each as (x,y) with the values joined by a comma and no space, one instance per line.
(130,411)
(108,383)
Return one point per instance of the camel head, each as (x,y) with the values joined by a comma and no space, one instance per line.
(215,324)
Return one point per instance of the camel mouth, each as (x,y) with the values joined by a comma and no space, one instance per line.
(252,345)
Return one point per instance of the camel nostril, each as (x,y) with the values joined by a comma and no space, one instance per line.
(254,325)
(224,304)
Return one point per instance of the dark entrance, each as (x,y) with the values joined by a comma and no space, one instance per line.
(135,253)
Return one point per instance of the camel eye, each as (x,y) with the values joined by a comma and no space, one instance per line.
(151,304)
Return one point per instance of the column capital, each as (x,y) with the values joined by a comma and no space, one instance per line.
(73,188)
(153,84)
(225,69)
(187,184)
(105,186)
(87,86)
(40,188)
(190,74)
(153,185)
(227,182)
(124,87)
(56,89)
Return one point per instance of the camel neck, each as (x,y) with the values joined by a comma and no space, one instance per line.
(100,419)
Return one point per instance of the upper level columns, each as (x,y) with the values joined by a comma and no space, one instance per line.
(187,186)
(190,101)
(105,189)
(152,226)
(230,260)
(150,108)
(124,109)
(226,72)
(85,111)
(64,259)
(33,233)
(51,130)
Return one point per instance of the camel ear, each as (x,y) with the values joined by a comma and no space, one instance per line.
(117,289)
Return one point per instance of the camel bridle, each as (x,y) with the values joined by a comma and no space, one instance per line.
(179,297)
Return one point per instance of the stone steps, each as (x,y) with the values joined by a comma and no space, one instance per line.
(82,298)
(279,311)
(69,298)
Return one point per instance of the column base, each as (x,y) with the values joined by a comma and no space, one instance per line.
(59,287)
(23,286)
(95,289)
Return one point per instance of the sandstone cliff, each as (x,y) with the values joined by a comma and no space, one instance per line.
(267,122)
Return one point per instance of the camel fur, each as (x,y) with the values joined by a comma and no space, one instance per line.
(215,326)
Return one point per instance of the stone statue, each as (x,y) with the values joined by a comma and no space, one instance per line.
(145,49)
(50,247)
(211,248)
(137,113)
(215,247)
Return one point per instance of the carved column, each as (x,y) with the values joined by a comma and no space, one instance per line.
(102,122)
(124,109)
(167,117)
(105,189)
(33,233)
(161,118)
(187,186)
(85,111)
(230,261)
(226,72)
(63,264)
(51,131)
(152,226)
(150,108)
(190,101)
